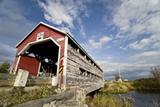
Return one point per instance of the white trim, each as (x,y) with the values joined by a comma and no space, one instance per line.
(36,27)
(39,68)
(58,60)
(36,42)
(59,30)
(16,67)
(27,35)
(40,36)
(65,62)
(63,32)
(59,53)
(60,39)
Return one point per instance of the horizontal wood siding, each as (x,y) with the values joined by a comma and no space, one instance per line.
(80,71)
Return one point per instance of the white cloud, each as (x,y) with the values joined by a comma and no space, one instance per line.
(139,45)
(148,54)
(110,66)
(147,43)
(81,27)
(128,70)
(147,57)
(136,19)
(6,52)
(12,19)
(64,12)
(98,44)
(58,13)
(14,26)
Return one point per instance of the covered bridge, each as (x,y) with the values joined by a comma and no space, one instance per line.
(48,51)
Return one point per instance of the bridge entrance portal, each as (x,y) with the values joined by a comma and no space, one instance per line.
(45,53)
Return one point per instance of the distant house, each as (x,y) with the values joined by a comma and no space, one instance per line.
(48,51)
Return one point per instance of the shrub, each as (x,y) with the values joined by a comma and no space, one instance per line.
(18,95)
(4,67)
(117,87)
(155,72)
(109,100)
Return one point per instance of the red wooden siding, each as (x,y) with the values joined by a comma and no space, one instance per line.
(30,64)
(47,32)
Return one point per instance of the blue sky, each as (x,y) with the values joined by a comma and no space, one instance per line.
(115,33)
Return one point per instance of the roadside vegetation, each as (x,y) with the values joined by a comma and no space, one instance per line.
(118,87)
(103,99)
(151,84)
(110,96)
(4,67)
(18,95)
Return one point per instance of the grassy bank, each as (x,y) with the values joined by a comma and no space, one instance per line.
(109,100)
(18,95)
(147,84)
(118,87)
(109,96)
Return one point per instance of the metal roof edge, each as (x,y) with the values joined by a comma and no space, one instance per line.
(36,27)
(69,35)
(61,31)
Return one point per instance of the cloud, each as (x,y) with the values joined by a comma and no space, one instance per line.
(81,27)
(137,32)
(6,52)
(64,12)
(14,26)
(14,23)
(114,66)
(147,43)
(149,57)
(128,70)
(138,19)
(98,44)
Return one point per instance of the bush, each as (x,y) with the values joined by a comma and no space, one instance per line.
(147,84)
(117,87)
(18,95)
(155,72)
(109,100)
(4,67)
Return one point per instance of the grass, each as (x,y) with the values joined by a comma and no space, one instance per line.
(146,85)
(118,87)
(109,96)
(149,84)
(109,100)
(18,95)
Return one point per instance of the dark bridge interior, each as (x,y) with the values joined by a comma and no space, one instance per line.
(47,53)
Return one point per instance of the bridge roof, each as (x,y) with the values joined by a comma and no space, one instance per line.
(63,32)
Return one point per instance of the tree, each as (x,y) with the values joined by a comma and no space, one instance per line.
(155,72)
(117,77)
(4,67)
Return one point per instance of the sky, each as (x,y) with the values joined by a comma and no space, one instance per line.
(117,34)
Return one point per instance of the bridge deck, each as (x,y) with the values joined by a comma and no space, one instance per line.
(91,88)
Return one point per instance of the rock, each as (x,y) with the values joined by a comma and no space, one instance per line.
(85,105)
(46,105)
(53,104)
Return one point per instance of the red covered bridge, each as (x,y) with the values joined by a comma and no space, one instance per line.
(48,51)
